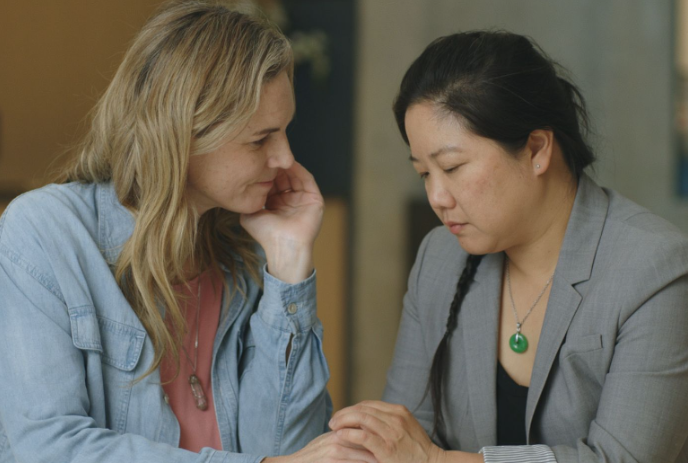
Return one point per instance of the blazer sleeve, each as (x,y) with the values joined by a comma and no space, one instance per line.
(407,377)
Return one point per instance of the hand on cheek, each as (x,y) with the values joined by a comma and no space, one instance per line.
(287,227)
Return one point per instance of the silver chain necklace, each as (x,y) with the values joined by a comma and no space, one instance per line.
(518,341)
(194,381)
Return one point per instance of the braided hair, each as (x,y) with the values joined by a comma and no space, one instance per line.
(439,361)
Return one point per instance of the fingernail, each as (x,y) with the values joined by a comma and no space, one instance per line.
(331,424)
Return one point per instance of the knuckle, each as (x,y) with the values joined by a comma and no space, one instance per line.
(401,409)
(398,421)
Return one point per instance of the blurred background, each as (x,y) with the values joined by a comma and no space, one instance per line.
(629,57)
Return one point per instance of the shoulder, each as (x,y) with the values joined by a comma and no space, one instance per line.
(438,264)
(637,237)
(48,220)
(440,245)
(638,255)
(53,200)
(51,209)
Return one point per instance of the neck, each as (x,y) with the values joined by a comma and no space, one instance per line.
(536,257)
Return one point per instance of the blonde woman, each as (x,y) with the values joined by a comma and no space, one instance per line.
(159,304)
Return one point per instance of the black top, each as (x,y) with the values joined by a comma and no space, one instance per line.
(511,409)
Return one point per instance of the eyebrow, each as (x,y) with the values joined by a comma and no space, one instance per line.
(266,131)
(444,150)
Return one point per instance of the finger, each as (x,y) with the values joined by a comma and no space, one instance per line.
(365,421)
(386,407)
(306,180)
(343,453)
(376,408)
(346,443)
(294,178)
(282,182)
(339,449)
(372,442)
(396,419)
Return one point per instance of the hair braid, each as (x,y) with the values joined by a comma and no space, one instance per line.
(439,361)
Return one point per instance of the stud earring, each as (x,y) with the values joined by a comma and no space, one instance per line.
(537,166)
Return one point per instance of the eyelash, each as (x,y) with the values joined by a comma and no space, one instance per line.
(424,175)
(260,142)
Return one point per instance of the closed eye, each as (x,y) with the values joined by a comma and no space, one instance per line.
(261,141)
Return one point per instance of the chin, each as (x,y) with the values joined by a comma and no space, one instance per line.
(249,207)
(476,247)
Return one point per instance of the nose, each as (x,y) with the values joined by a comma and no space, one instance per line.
(438,195)
(281,156)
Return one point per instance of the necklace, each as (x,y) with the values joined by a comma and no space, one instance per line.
(518,341)
(194,381)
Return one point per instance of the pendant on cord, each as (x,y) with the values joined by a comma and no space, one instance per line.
(518,342)
(198,393)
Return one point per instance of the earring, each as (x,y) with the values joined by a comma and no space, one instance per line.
(537,166)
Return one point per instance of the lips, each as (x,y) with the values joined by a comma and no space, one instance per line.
(267,183)
(455,227)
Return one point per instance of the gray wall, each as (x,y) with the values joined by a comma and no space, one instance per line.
(620,52)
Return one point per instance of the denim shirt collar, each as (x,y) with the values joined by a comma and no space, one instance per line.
(115,222)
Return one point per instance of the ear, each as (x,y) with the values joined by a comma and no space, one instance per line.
(539,148)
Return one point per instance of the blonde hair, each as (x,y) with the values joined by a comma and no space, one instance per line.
(191,77)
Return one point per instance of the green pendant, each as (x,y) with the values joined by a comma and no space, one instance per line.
(518,343)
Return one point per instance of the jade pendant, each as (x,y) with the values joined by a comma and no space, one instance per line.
(518,343)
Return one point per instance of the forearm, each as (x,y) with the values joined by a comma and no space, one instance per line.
(289,392)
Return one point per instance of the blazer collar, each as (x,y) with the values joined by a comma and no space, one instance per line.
(480,312)
(479,322)
(576,258)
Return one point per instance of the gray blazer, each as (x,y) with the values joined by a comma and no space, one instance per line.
(610,381)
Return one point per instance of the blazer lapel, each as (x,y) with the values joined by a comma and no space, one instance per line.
(575,262)
(479,320)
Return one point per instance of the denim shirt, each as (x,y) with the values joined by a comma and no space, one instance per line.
(71,346)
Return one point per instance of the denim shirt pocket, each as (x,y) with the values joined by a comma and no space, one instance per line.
(117,348)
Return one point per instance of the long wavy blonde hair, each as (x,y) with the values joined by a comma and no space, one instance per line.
(191,77)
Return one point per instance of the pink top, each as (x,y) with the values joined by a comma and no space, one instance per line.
(198,428)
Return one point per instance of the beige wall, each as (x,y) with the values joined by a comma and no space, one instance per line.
(391,34)
(57,58)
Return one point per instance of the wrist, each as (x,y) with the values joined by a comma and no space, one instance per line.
(274,460)
(437,455)
(290,262)
(456,456)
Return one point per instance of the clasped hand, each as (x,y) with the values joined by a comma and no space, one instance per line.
(288,225)
(389,432)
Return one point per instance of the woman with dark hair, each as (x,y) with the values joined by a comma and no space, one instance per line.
(556,329)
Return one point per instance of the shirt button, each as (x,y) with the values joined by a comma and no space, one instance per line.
(291,308)
(167,399)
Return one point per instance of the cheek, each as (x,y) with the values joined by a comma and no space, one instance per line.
(486,199)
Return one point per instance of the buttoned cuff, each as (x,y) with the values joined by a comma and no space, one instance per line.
(518,453)
(288,307)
